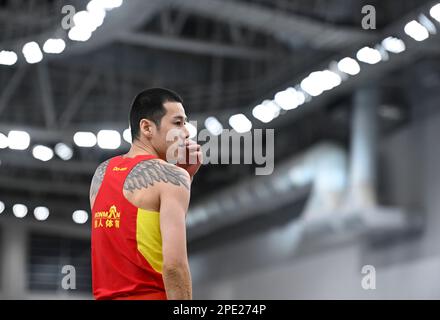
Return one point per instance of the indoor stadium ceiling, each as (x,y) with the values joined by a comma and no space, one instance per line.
(222,57)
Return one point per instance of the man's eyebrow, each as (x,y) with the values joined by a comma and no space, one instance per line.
(181,118)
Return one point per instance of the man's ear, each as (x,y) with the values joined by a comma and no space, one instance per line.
(146,127)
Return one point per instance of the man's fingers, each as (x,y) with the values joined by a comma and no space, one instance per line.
(194,147)
(195,157)
(199,155)
(190,142)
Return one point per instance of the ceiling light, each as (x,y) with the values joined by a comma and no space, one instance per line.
(41,213)
(20,210)
(18,140)
(240,123)
(416,31)
(84,139)
(368,55)
(8,58)
(80,216)
(42,153)
(32,52)
(63,151)
(54,46)
(349,66)
(109,139)
(214,126)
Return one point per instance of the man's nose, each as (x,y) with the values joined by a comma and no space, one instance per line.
(186,132)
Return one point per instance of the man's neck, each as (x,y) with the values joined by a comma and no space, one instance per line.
(139,148)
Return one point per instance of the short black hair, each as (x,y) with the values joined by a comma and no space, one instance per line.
(149,105)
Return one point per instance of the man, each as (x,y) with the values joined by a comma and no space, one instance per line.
(139,202)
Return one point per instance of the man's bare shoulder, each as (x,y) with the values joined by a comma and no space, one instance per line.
(97,179)
(150,172)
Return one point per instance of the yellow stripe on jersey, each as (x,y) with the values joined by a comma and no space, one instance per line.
(149,238)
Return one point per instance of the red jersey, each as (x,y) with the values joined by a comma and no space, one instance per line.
(126,240)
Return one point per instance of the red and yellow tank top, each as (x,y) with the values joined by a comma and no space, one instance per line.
(126,240)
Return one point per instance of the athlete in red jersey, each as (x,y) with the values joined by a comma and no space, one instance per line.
(139,202)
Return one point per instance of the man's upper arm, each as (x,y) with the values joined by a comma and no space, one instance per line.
(174,202)
(97,179)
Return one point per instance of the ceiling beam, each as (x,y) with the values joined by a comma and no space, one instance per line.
(16,159)
(75,103)
(46,93)
(194,46)
(369,73)
(10,88)
(52,187)
(26,19)
(129,16)
(290,28)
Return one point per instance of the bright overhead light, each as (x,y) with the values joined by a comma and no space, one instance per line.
(394,45)
(8,58)
(349,66)
(109,139)
(18,140)
(261,113)
(42,153)
(79,34)
(97,17)
(2,207)
(368,55)
(127,135)
(240,123)
(267,111)
(319,81)
(104,4)
(95,5)
(41,213)
(329,79)
(214,126)
(272,108)
(289,98)
(383,52)
(54,46)
(82,20)
(112,4)
(416,31)
(20,210)
(63,151)
(89,20)
(300,97)
(192,129)
(311,84)
(84,139)
(428,24)
(435,12)
(80,216)
(32,52)
(4,142)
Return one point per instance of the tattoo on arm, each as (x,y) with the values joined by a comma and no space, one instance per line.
(97,180)
(146,173)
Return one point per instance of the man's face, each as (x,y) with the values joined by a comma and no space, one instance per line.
(172,129)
